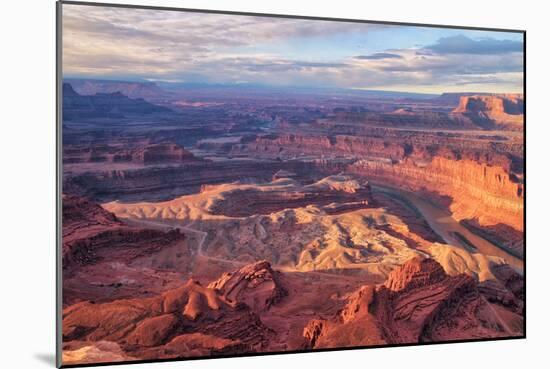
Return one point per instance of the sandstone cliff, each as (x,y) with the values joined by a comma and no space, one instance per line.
(418,302)
(476,191)
(493,110)
(481,184)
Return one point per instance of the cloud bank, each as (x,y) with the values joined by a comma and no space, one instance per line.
(214,48)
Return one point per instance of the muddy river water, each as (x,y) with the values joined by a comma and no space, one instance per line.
(441,221)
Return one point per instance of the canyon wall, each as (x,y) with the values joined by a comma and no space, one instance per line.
(476,182)
(505,111)
(159,183)
(476,191)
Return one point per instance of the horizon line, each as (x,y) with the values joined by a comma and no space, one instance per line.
(159,82)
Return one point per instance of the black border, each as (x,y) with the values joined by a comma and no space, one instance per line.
(58,184)
(59,172)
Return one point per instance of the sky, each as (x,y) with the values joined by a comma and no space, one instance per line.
(172,46)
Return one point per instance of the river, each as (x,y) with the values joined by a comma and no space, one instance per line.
(441,221)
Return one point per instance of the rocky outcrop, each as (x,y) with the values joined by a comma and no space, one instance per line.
(83,219)
(291,145)
(256,285)
(96,243)
(79,212)
(493,110)
(415,273)
(385,144)
(89,231)
(421,303)
(167,325)
(418,302)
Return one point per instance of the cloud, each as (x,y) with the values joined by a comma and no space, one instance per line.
(286,65)
(423,69)
(461,44)
(214,48)
(378,56)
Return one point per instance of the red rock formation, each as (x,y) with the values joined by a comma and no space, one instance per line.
(414,274)
(354,325)
(82,219)
(487,110)
(289,145)
(88,229)
(167,325)
(79,212)
(256,285)
(94,239)
(418,302)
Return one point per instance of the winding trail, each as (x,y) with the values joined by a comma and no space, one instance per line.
(186,228)
(238,264)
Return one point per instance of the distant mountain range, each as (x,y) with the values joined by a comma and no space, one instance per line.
(152,91)
(145,90)
(162,91)
(104,105)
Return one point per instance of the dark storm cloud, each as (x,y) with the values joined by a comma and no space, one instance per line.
(378,56)
(461,44)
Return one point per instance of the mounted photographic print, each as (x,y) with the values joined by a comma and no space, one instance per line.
(235,184)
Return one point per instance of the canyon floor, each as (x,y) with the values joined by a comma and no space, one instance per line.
(192,229)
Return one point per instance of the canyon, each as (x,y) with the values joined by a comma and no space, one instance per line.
(211,221)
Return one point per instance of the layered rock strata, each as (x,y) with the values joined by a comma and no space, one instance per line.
(419,302)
